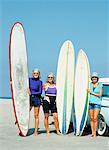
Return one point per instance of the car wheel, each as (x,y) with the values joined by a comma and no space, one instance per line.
(102,126)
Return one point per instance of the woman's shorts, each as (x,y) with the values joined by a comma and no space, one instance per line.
(94,106)
(35,101)
(50,105)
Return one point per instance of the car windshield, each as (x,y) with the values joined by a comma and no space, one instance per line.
(105,90)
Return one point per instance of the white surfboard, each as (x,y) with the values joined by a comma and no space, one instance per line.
(19,77)
(81,96)
(64,83)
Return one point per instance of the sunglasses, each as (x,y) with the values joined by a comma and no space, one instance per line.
(50,77)
(35,73)
(94,77)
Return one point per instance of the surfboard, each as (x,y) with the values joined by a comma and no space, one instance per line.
(81,96)
(19,77)
(64,83)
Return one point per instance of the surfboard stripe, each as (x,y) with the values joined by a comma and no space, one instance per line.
(84,115)
(65,99)
(74,119)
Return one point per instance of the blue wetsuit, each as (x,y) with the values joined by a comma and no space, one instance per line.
(35,86)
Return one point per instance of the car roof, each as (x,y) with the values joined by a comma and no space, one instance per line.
(104,80)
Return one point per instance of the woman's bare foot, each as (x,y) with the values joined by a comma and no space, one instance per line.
(94,136)
(58,133)
(35,133)
(48,132)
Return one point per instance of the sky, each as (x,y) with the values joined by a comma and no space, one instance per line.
(47,24)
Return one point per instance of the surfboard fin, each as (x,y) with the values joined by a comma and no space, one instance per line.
(16,122)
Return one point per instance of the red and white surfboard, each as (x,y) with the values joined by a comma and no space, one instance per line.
(19,77)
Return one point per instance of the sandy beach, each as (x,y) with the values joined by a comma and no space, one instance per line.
(9,140)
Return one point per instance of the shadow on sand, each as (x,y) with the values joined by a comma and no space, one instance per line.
(31,132)
(87,130)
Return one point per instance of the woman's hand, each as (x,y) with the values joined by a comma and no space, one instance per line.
(44,87)
(95,94)
(88,90)
(28,91)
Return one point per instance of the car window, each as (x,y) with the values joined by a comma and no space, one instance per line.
(105,90)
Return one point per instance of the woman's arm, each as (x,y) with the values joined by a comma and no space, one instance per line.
(28,91)
(95,94)
(44,86)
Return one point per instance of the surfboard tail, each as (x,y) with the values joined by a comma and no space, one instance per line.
(84,117)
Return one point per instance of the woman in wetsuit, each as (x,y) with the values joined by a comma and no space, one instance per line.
(35,89)
(49,103)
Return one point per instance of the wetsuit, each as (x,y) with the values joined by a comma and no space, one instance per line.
(35,86)
(49,102)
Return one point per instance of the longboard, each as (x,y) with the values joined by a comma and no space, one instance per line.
(81,96)
(19,77)
(65,84)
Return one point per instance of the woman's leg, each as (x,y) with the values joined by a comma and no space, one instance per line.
(46,124)
(91,112)
(96,112)
(56,122)
(36,117)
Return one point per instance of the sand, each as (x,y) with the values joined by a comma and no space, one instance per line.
(10,140)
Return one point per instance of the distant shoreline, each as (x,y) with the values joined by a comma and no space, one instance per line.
(5,98)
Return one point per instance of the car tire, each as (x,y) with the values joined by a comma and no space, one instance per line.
(102,126)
